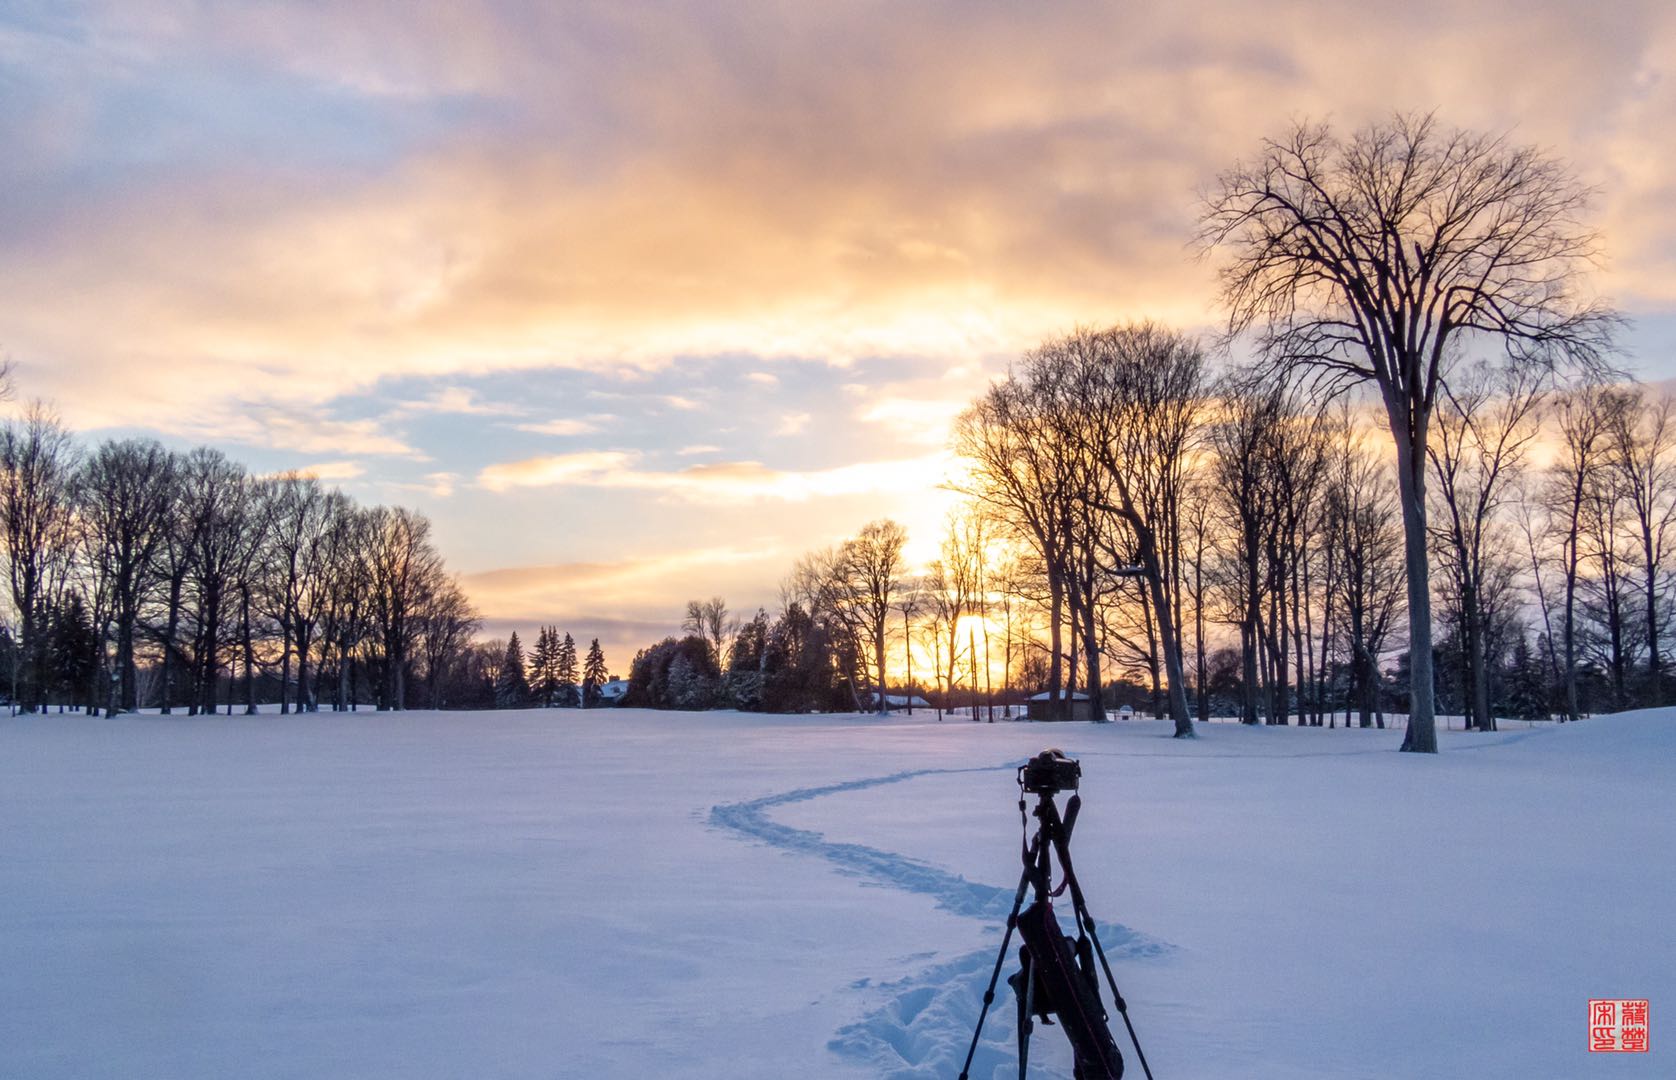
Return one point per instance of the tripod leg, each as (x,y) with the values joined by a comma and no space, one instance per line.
(1001,958)
(1026,1005)
(1117,998)
(1062,848)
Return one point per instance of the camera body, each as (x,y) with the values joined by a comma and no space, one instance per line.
(1049,773)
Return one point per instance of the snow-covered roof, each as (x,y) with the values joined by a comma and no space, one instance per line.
(1046,696)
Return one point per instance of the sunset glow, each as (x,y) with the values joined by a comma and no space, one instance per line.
(642,302)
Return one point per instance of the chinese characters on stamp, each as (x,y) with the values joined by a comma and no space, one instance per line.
(1617,1026)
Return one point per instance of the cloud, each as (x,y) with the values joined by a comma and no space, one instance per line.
(698,448)
(792,423)
(591,467)
(453,400)
(563,186)
(333,470)
(441,484)
(922,420)
(725,482)
(566,426)
(298,431)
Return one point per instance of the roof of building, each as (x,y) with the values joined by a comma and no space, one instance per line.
(1045,695)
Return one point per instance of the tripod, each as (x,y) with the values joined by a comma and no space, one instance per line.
(1055,976)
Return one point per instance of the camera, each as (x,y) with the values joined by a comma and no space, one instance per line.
(1049,772)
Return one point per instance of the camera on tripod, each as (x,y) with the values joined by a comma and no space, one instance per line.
(1058,976)
(1049,773)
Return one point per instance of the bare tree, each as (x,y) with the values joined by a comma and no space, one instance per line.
(1240,441)
(403,568)
(1583,420)
(1362,525)
(1370,259)
(1641,452)
(218,503)
(910,601)
(126,494)
(1131,405)
(1024,474)
(37,516)
(707,619)
(871,564)
(446,621)
(300,518)
(1487,423)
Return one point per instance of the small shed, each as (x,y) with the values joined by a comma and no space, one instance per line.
(1042,706)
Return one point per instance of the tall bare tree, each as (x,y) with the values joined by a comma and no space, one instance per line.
(1025,476)
(126,496)
(1583,419)
(403,568)
(1362,526)
(871,563)
(1131,400)
(37,516)
(1641,452)
(300,519)
(1486,425)
(1369,259)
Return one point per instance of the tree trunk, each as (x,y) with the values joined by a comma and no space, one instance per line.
(1477,666)
(1655,663)
(879,656)
(1421,736)
(249,652)
(305,700)
(1172,662)
(1056,672)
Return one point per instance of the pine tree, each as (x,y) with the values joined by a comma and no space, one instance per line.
(1527,686)
(567,675)
(544,667)
(73,653)
(594,675)
(512,688)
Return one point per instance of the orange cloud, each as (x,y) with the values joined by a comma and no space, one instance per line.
(731,482)
(945,181)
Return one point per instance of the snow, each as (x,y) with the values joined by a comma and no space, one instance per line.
(621,893)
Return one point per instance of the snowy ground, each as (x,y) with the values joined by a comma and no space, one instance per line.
(628,894)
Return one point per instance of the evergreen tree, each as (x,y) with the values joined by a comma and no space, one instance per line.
(567,674)
(73,653)
(594,674)
(512,688)
(1527,687)
(544,667)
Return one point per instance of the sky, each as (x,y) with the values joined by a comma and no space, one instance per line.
(639,302)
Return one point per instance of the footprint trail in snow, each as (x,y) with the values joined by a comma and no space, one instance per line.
(925,1022)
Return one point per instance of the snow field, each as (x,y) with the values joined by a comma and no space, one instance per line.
(621,893)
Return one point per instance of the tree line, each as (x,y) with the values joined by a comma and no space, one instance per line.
(1271,539)
(550,677)
(1135,521)
(140,577)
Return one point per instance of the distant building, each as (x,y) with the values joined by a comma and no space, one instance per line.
(1043,706)
(899,701)
(612,692)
